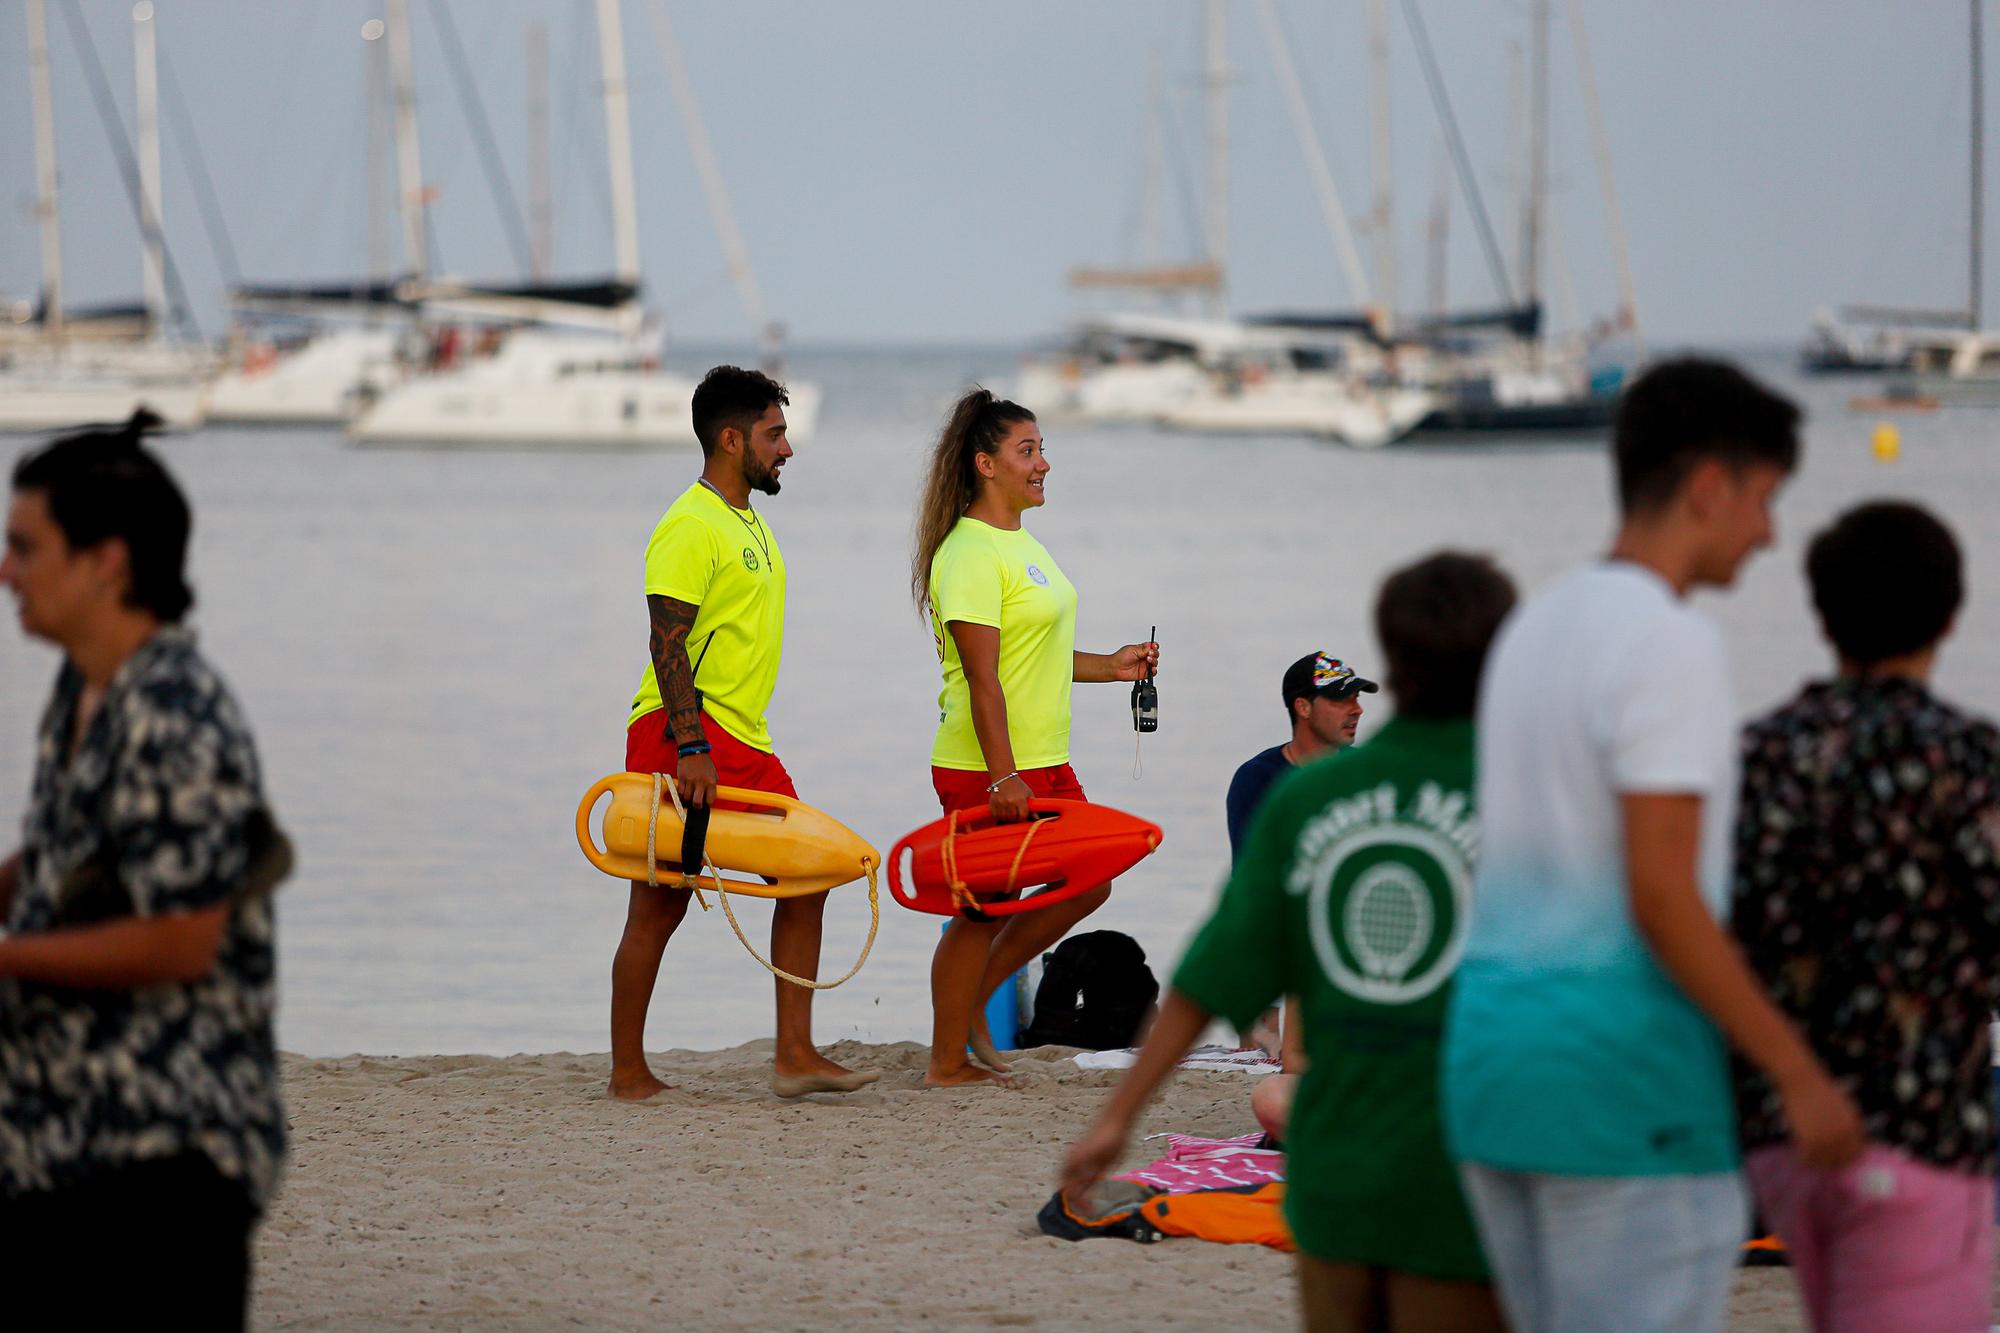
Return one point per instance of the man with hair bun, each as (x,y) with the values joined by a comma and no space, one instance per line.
(715,595)
(1868,899)
(141,1130)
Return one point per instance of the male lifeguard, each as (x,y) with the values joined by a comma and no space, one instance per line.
(715,593)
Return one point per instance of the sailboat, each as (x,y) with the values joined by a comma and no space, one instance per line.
(558,364)
(62,368)
(1960,367)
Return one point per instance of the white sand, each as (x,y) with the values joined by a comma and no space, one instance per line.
(451,1191)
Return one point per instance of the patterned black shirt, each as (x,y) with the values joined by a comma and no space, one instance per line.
(1868,900)
(157,801)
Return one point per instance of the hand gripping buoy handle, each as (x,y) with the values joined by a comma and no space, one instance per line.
(661,780)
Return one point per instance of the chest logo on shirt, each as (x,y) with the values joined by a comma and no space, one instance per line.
(1035,573)
(750,560)
(1388,891)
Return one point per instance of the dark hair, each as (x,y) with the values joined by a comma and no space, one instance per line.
(977,424)
(732,396)
(1681,412)
(1886,578)
(104,483)
(1435,620)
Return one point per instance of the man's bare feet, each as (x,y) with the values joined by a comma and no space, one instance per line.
(965,1076)
(984,1051)
(636,1087)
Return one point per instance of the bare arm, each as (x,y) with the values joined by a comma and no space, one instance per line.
(1132,662)
(1292,1057)
(1179,1026)
(124,954)
(673,621)
(10,880)
(1662,832)
(979,654)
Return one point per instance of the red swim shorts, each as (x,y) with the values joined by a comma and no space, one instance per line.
(964,789)
(647,750)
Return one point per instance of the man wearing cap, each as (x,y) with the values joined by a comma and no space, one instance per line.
(1323,701)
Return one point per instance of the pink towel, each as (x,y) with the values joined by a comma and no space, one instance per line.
(1210,1164)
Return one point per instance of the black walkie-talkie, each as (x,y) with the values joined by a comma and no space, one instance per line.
(1146,697)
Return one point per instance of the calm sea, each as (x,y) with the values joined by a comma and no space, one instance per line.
(438,648)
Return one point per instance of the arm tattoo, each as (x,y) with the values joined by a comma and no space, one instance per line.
(673,621)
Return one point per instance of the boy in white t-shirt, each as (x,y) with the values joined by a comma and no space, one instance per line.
(1586,1082)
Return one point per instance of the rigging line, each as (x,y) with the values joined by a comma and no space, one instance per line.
(128,166)
(582,45)
(1191,230)
(474,108)
(1467,184)
(189,143)
(276,126)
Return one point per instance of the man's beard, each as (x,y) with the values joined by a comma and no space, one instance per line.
(758,477)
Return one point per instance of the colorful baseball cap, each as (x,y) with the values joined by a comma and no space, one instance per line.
(1322,673)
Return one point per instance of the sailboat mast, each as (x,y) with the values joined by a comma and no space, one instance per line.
(618,141)
(1385,234)
(378,148)
(152,256)
(1218,147)
(1628,300)
(409,164)
(45,169)
(540,227)
(1538,158)
(1978,165)
(1330,206)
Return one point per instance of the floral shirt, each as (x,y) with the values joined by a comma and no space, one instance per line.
(1868,900)
(150,815)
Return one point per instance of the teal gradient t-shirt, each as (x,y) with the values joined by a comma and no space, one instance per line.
(1568,1051)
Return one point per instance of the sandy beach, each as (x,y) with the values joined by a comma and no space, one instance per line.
(454,1191)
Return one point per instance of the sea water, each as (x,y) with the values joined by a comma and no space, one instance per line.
(437,649)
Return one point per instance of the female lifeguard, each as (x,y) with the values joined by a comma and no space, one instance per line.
(1005,623)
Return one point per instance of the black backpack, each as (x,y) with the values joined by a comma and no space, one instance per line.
(1096,992)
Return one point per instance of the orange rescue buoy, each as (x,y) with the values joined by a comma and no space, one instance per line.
(968,865)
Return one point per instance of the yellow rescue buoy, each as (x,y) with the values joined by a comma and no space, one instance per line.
(1887,442)
(787,848)
(783,848)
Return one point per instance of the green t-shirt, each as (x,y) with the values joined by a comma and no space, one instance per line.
(1352,892)
(984,575)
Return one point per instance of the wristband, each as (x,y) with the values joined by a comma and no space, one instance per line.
(992,787)
(692,748)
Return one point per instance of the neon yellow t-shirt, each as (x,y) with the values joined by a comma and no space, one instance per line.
(984,575)
(724,561)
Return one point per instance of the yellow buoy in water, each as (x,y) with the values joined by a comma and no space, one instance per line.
(1888,443)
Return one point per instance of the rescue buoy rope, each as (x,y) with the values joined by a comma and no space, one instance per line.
(961,893)
(661,780)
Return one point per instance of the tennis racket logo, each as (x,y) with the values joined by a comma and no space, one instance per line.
(1386,910)
(1388,920)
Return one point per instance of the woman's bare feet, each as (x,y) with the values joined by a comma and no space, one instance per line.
(984,1051)
(635,1086)
(963,1076)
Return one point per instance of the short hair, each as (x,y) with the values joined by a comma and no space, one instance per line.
(1682,412)
(732,396)
(104,483)
(1436,619)
(1886,579)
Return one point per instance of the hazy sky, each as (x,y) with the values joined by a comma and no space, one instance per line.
(929,171)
